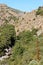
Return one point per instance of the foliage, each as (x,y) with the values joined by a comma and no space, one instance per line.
(41,62)
(33,62)
(39,11)
(7,36)
(24,50)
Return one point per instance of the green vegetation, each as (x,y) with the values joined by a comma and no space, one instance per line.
(40,11)
(7,37)
(33,62)
(24,50)
(27,47)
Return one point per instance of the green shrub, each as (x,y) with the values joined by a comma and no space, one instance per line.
(7,37)
(41,62)
(33,62)
(24,49)
(39,11)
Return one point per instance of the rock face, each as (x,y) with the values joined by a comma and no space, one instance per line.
(22,21)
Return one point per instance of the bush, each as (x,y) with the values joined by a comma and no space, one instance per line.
(33,62)
(39,11)
(41,62)
(24,49)
(7,36)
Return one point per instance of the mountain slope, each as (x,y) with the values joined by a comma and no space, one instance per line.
(7,13)
(21,20)
(27,46)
